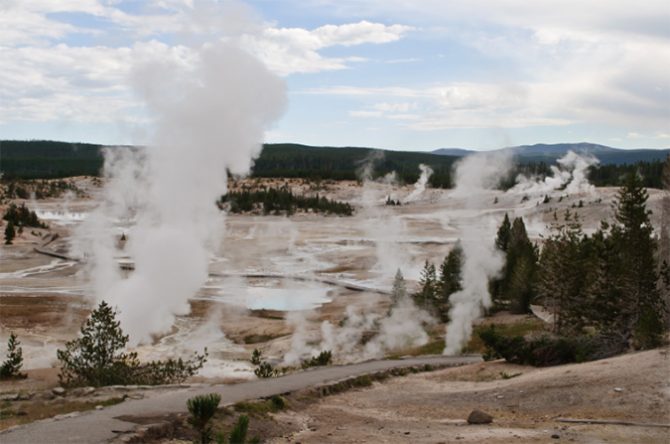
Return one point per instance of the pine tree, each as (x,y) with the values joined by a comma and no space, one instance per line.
(11,367)
(520,268)
(425,297)
(560,274)
(644,311)
(504,231)
(96,357)
(450,279)
(399,290)
(10,233)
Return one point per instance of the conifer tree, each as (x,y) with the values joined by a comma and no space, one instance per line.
(399,290)
(450,279)
(425,297)
(560,272)
(520,268)
(643,311)
(503,236)
(10,233)
(11,367)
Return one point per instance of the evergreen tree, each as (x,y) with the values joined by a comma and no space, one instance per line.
(399,290)
(560,274)
(450,279)
(520,268)
(504,232)
(96,357)
(11,367)
(425,297)
(643,312)
(10,233)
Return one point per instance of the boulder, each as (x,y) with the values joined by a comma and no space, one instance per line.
(58,391)
(479,417)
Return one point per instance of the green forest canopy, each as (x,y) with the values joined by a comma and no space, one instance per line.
(50,159)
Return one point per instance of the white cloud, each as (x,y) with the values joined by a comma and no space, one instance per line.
(296,50)
(44,79)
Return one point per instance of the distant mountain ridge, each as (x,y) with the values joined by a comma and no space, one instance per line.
(543,152)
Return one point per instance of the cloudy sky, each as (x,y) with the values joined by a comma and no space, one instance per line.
(398,74)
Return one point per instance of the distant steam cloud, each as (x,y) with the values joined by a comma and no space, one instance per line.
(420,185)
(569,175)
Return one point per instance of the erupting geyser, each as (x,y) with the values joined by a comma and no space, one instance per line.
(210,107)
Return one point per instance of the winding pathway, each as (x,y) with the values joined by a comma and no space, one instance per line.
(100,426)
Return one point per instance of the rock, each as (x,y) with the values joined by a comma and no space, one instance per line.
(479,417)
(99,407)
(9,397)
(58,391)
(555,436)
(618,389)
(24,396)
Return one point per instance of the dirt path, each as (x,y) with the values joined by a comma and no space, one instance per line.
(101,425)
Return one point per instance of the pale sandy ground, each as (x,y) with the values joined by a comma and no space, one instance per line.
(432,407)
(46,308)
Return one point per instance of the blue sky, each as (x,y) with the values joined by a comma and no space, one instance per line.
(398,74)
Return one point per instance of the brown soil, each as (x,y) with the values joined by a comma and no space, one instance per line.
(432,407)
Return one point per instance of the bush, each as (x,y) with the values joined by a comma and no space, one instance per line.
(11,367)
(202,408)
(548,350)
(96,357)
(266,370)
(239,433)
(256,357)
(323,358)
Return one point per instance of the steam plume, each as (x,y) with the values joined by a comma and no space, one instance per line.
(570,174)
(481,261)
(210,110)
(420,185)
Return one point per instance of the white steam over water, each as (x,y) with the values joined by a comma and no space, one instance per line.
(209,114)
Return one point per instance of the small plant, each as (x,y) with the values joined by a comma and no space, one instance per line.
(323,358)
(266,370)
(505,375)
(239,433)
(256,357)
(202,408)
(10,233)
(97,357)
(11,367)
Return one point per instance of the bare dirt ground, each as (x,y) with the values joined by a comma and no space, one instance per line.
(45,300)
(432,407)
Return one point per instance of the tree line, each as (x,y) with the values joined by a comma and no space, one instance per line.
(282,201)
(51,159)
(608,291)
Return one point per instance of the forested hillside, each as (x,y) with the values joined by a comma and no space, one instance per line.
(49,159)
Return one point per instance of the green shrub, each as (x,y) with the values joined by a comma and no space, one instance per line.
(323,358)
(266,370)
(202,408)
(548,350)
(256,357)
(11,367)
(97,358)
(239,433)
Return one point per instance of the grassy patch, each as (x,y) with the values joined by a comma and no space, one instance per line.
(262,407)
